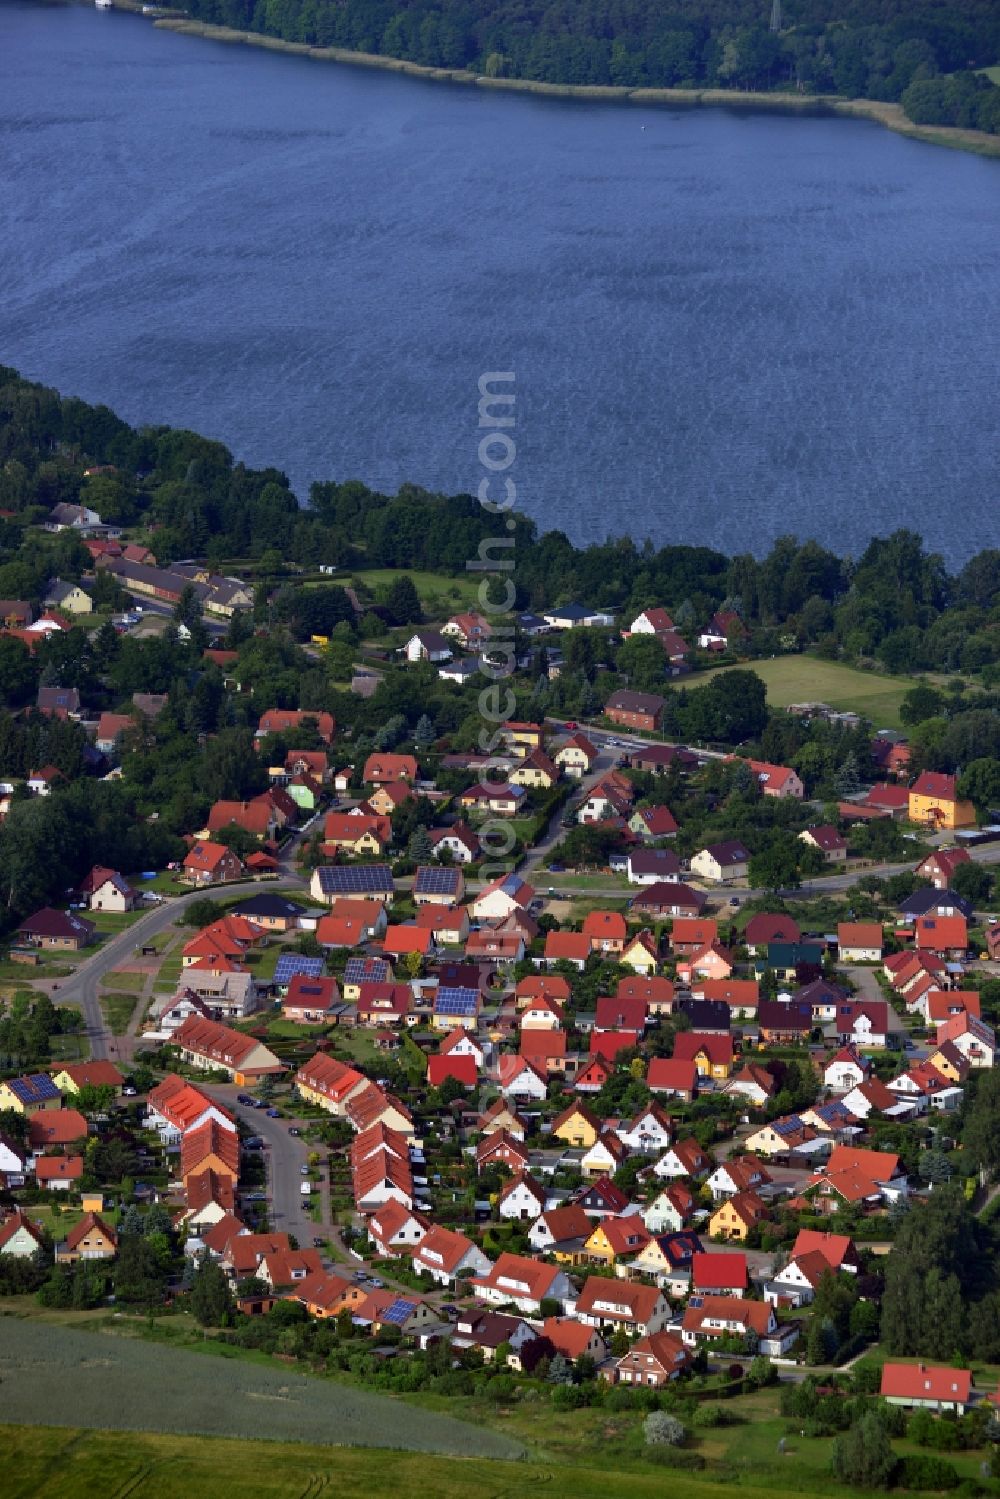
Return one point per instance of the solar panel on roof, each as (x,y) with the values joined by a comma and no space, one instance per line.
(354,879)
(511,884)
(291,963)
(370,970)
(455,1001)
(397,1313)
(431,880)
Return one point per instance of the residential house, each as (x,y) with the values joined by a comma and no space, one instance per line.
(735,1218)
(576,756)
(459,841)
(443,1254)
(614,1304)
(648,866)
(713,1317)
(616,1238)
(934,1387)
(712,1055)
(561,1232)
(934,801)
(667,1215)
(831,844)
(329,1083)
(205,1043)
(775,780)
(635,710)
(859,941)
(673,1077)
(58,931)
(940,866)
(722,863)
(209,863)
(20,1236)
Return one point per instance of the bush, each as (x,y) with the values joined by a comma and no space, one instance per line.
(675,1458)
(924,1472)
(663,1430)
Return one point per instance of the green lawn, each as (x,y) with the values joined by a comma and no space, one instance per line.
(49,1463)
(117,1010)
(126,982)
(806,679)
(440,594)
(107,922)
(993,74)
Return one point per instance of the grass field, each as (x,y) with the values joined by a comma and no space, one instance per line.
(117,1010)
(993,74)
(138,1386)
(440,594)
(48,1463)
(806,679)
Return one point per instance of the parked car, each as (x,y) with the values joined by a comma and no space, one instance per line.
(244,1098)
(274,1113)
(318,1243)
(303,1170)
(292,1130)
(128,1091)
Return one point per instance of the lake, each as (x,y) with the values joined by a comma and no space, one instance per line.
(724,327)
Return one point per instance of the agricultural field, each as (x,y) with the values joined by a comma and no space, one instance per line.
(807,679)
(136,1386)
(47,1463)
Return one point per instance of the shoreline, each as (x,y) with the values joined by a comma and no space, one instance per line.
(891,116)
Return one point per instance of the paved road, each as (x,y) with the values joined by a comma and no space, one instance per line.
(286,1154)
(82,988)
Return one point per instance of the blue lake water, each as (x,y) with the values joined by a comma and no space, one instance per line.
(724,326)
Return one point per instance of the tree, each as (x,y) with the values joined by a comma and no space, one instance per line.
(423,734)
(980,782)
(663,1430)
(848,776)
(863,1455)
(211,1300)
(402,602)
(776,868)
(972,881)
(94,1099)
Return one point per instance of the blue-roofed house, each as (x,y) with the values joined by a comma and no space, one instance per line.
(365,971)
(291,963)
(29,1094)
(367,881)
(456,1007)
(438,885)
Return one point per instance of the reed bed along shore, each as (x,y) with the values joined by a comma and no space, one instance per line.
(889,115)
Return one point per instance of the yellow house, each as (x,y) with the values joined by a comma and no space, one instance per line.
(69,598)
(522,738)
(537,770)
(946,1066)
(386,799)
(76,1075)
(30,1094)
(576,1126)
(640,955)
(735,1218)
(711,1055)
(616,1239)
(934,802)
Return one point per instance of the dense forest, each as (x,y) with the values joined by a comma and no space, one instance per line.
(923,54)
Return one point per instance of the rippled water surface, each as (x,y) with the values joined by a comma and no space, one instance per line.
(724,327)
